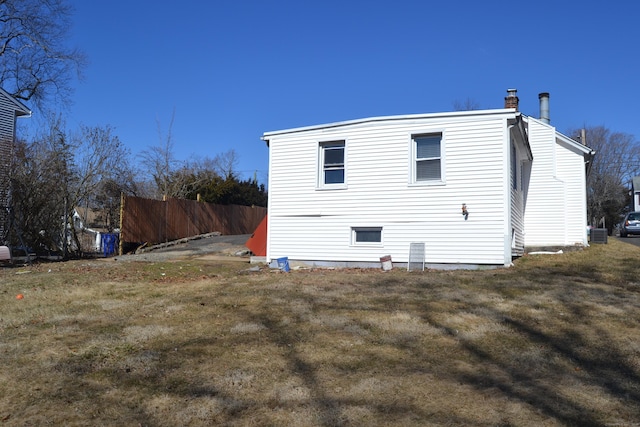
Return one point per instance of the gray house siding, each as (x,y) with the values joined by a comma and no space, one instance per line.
(10,109)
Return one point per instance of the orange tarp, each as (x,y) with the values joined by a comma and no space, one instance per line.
(257,243)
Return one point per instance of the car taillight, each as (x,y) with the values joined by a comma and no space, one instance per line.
(626,223)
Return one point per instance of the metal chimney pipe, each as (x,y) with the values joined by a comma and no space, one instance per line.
(544,107)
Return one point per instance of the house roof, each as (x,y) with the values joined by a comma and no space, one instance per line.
(563,138)
(20,108)
(510,112)
(587,152)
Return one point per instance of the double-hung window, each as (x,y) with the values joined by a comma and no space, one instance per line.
(427,158)
(332,164)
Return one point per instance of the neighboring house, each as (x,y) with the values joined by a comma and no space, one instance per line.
(476,187)
(10,110)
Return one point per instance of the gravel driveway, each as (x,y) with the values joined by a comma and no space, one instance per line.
(198,246)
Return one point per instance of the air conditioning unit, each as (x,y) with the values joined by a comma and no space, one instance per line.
(599,235)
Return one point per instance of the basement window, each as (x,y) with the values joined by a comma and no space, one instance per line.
(366,236)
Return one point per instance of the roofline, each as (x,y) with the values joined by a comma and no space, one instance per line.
(266,136)
(564,138)
(573,142)
(20,107)
(523,134)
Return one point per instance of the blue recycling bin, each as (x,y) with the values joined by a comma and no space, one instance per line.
(109,243)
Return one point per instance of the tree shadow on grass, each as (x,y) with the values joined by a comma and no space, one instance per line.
(581,353)
(578,355)
(330,409)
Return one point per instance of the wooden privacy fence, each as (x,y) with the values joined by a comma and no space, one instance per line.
(157,221)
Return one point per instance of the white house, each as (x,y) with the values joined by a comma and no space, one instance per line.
(476,187)
(556,205)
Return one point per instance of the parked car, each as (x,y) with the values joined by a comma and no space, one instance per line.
(5,254)
(631,224)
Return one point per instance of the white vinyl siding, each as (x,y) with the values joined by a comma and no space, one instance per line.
(310,225)
(556,201)
(544,224)
(571,169)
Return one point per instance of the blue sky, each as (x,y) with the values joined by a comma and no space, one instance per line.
(232,70)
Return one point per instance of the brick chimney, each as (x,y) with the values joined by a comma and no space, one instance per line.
(511,100)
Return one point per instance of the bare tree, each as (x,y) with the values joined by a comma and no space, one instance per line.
(99,155)
(102,172)
(466,105)
(204,167)
(58,172)
(160,162)
(174,178)
(35,63)
(225,164)
(180,179)
(41,173)
(616,162)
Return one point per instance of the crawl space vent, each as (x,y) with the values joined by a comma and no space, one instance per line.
(416,257)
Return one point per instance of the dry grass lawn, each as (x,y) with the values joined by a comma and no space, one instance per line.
(553,341)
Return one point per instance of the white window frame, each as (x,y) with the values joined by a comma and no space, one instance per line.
(354,235)
(414,158)
(323,146)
